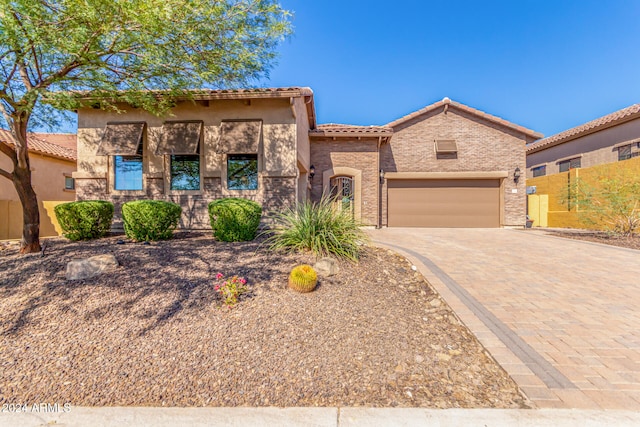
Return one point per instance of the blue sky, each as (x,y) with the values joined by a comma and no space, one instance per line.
(546,65)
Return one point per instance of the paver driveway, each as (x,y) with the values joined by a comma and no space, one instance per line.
(561,316)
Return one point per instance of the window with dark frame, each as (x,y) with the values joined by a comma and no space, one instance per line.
(539,171)
(242,171)
(128,171)
(185,172)
(69,183)
(624,152)
(566,165)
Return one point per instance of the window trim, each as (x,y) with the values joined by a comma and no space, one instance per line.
(226,174)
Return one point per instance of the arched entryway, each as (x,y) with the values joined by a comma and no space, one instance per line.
(342,192)
(347,182)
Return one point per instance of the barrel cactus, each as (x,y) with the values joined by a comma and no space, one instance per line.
(303,278)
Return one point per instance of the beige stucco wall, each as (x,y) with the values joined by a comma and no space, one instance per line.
(278,181)
(483,146)
(303,150)
(48,175)
(593,149)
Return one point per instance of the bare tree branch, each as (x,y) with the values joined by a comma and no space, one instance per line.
(8,150)
(6,174)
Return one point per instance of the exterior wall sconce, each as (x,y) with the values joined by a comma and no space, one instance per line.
(312,172)
(381,176)
(516,175)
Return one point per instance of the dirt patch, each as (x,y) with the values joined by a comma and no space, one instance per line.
(630,242)
(154,332)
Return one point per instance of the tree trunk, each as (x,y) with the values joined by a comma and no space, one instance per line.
(22,181)
(30,213)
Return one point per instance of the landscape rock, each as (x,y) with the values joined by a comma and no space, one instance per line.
(91,267)
(326,267)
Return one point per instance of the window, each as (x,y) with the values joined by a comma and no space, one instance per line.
(123,141)
(624,152)
(69,183)
(539,171)
(180,142)
(565,165)
(242,172)
(128,170)
(185,172)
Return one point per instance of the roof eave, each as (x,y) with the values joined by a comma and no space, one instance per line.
(449,103)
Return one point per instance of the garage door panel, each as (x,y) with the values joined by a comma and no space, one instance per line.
(444,203)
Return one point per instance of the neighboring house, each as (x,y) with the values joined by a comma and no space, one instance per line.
(53,160)
(594,148)
(447,165)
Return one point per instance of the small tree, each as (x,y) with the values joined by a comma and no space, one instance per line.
(115,51)
(612,202)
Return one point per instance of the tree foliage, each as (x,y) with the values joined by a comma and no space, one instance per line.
(64,53)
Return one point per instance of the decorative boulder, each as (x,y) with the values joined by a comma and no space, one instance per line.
(326,267)
(91,267)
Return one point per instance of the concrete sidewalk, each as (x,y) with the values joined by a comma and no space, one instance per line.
(318,417)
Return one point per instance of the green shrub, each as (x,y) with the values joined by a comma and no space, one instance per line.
(146,220)
(319,227)
(84,220)
(234,219)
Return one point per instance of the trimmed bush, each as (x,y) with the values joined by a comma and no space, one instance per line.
(234,219)
(319,228)
(146,220)
(90,219)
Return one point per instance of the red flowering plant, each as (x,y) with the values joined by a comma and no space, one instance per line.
(230,288)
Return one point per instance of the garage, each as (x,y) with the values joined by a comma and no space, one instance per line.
(461,203)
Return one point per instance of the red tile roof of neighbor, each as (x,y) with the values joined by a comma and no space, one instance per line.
(629,113)
(470,110)
(59,145)
(337,129)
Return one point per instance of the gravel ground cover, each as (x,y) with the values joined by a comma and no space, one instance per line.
(155,333)
(630,242)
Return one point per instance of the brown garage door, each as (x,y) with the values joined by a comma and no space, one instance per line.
(444,203)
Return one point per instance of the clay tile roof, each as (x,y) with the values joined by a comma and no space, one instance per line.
(470,110)
(204,94)
(337,129)
(60,145)
(617,117)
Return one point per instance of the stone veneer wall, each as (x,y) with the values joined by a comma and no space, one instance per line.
(362,155)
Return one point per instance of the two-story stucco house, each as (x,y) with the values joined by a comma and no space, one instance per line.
(604,147)
(447,165)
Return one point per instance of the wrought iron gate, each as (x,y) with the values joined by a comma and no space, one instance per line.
(342,193)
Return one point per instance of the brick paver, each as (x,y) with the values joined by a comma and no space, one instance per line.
(561,316)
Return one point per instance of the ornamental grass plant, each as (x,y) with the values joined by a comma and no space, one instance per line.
(319,227)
